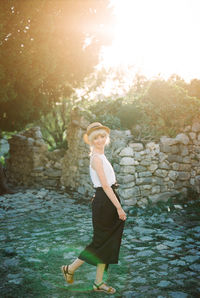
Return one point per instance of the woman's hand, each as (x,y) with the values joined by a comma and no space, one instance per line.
(121,213)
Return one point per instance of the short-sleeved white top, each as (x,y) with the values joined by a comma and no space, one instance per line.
(108,169)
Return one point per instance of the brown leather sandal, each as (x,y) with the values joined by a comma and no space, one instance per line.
(106,289)
(69,277)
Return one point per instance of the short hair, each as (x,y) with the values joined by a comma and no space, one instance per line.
(98,132)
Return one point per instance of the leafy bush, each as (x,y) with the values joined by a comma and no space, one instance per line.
(151,109)
(2,160)
(160,108)
(129,115)
(54,124)
(105,112)
(168,107)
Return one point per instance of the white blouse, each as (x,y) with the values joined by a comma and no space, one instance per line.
(108,169)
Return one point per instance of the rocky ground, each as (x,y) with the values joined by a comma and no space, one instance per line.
(42,230)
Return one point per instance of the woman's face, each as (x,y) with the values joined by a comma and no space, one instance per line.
(99,141)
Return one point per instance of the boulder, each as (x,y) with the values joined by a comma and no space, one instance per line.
(184,175)
(160,173)
(183,139)
(153,167)
(145,174)
(162,197)
(127,161)
(127,151)
(136,146)
(146,180)
(168,141)
(129,192)
(127,169)
(173,175)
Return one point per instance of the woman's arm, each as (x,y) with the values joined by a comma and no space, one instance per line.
(97,165)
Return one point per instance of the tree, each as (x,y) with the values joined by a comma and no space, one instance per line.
(47,47)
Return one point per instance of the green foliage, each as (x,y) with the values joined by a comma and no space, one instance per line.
(129,114)
(109,120)
(168,107)
(44,55)
(151,109)
(2,160)
(54,125)
(104,111)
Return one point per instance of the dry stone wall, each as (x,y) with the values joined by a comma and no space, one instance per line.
(30,163)
(149,172)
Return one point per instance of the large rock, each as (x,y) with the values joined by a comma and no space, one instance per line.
(164,165)
(162,156)
(175,158)
(130,202)
(173,175)
(153,147)
(183,139)
(129,192)
(160,173)
(161,197)
(184,150)
(146,162)
(185,167)
(140,169)
(155,189)
(127,151)
(136,146)
(184,175)
(168,141)
(146,180)
(137,156)
(127,161)
(125,179)
(127,169)
(153,167)
(157,181)
(145,174)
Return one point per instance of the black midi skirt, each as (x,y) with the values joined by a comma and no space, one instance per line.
(107,231)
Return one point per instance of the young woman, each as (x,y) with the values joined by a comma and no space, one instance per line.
(108,217)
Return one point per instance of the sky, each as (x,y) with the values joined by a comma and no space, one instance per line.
(156,37)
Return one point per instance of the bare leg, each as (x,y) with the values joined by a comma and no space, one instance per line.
(99,273)
(75,265)
(68,270)
(99,285)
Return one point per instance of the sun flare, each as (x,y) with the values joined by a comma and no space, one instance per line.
(157,37)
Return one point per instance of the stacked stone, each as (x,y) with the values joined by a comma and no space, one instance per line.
(75,162)
(146,173)
(30,163)
(27,152)
(160,171)
(48,174)
(194,135)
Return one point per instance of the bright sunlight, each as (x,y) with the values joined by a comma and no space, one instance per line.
(156,37)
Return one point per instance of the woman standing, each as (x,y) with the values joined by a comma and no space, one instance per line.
(108,217)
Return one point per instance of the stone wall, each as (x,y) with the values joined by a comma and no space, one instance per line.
(30,163)
(149,172)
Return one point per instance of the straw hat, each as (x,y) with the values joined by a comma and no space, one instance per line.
(92,127)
